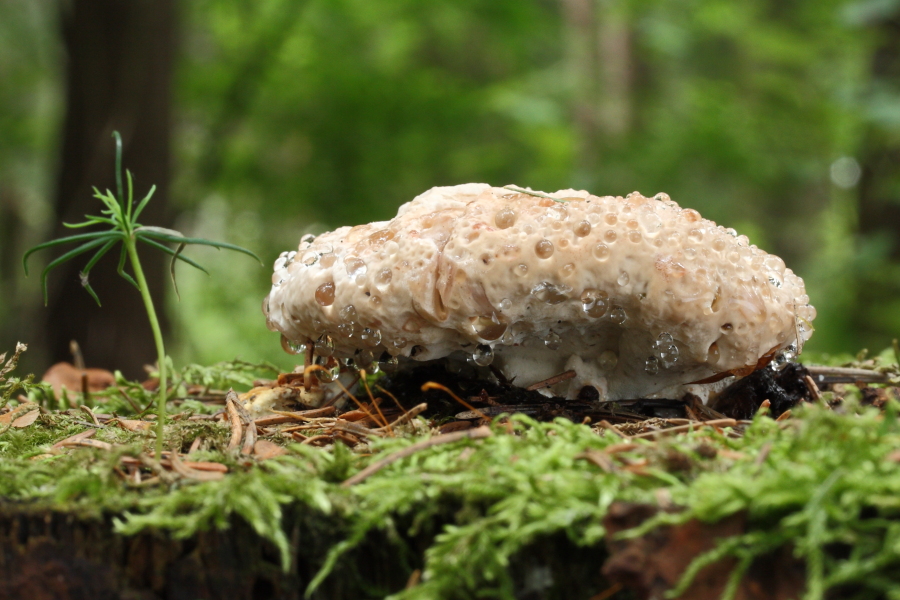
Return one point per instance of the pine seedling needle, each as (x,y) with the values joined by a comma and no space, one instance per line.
(120,214)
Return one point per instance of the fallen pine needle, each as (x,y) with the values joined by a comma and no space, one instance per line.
(447,438)
(237,430)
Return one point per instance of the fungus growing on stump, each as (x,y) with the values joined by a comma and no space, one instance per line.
(636,295)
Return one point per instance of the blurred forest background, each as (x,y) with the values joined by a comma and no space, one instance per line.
(261,121)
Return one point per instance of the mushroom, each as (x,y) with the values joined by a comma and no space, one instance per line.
(637,296)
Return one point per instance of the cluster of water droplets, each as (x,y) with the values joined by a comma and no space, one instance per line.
(665,350)
(783,357)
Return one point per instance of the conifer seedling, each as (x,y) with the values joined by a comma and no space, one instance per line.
(121,216)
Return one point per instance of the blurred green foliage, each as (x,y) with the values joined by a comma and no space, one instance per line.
(298,116)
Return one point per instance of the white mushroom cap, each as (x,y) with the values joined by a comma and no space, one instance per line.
(637,295)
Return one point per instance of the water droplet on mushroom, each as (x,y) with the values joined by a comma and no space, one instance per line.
(370,337)
(601,252)
(696,235)
(383,279)
(594,303)
(611,219)
(483,355)
(356,267)
(504,304)
(265,306)
(364,359)
(544,249)
(651,365)
(608,360)
(399,342)
(348,314)
(331,369)
(634,237)
(291,347)
(661,197)
(610,236)
(719,244)
(307,238)
(280,262)
(325,294)
(549,293)
(521,269)
(309,258)
(617,314)
(489,328)
(568,269)
(552,341)
(623,278)
(505,218)
(558,212)
(324,346)
(583,228)
(775,279)
(346,329)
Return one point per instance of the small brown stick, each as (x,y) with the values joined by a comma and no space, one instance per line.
(358,403)
(298,437)
(690,427)
(86,443)
(784,416)
(565,375)
(316,438)
(302,415)
(362,378)
(431,385)
(74,438)
(351,427)
(250,440)
(610,427)
(447,438)
(847,375)
(237,430)
(90,413)
(189,473)
(812,387)
(195,445)
(409,415)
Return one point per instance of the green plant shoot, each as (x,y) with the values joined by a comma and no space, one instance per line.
(121,217)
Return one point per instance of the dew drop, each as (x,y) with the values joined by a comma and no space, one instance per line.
(583,228)
(280,262)
(594,303)
(489,328)
(370,337)
(775,279)
(617,314)
(719,244)
(651,365)
(549,293)
(505,218)
(568,269)
(383,279)
(325,294)
(623,278)
(348,314)
(309,258)
(558,212)
(608,360)
(291,347)
(611,219)
(483,355)
(307,238)
(521,269)
(324,346)
(399,343)
(346,329)
(601,252)
(544,249)
(331,369)
(661,197)
(696,235)
(634,237)
(504,304)
(610,236)
(356,268)
(552,341)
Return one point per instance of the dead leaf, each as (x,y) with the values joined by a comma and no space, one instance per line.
(65,375)
(26,419)
(134,425)
(264,449)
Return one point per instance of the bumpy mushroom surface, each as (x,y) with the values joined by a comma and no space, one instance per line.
(636,295)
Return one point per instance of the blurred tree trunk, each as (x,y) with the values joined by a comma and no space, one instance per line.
(120,58)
